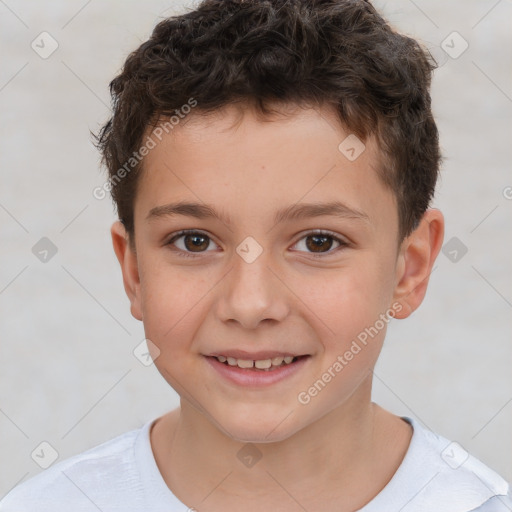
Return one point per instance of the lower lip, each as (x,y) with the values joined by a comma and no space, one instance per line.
(256,378)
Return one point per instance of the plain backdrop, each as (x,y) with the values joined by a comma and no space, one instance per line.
(68,374)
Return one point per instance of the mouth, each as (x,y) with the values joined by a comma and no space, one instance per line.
(266,364)
(256,370)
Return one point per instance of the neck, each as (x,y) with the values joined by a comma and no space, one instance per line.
(330,459)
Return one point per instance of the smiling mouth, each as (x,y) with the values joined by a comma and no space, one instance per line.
(269,364)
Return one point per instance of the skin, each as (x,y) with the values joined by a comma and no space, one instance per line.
(340,449)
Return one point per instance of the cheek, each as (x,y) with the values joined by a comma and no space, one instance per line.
(171,304)
(346,300)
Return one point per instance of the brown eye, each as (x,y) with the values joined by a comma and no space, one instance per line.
(316,243)
(188,242)
(196,242)
(320,244)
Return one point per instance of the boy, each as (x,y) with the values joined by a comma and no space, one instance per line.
(272,164)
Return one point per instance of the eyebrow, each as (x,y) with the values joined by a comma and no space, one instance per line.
(294,212)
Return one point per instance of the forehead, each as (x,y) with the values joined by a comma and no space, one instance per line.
(250,165)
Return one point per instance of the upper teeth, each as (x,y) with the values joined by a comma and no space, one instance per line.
(261,364)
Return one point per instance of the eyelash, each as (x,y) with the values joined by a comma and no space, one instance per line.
(188,254)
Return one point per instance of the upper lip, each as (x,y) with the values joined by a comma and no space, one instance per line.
(252,356)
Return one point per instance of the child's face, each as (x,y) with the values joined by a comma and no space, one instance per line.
(291,299)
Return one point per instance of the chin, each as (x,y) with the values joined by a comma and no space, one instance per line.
(257,426)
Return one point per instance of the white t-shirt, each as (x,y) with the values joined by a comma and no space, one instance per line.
(121,475)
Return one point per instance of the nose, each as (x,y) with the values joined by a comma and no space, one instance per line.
(251,294)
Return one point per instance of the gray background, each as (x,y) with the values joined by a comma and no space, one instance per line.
(68,375)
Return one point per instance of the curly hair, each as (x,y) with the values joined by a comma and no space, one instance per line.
(340,53)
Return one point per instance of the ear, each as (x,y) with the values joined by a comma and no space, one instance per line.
(128,261)
(418,253)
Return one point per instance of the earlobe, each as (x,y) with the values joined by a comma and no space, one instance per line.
(129,268)
(416,260)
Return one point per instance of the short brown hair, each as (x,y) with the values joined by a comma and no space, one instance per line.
(336,52)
